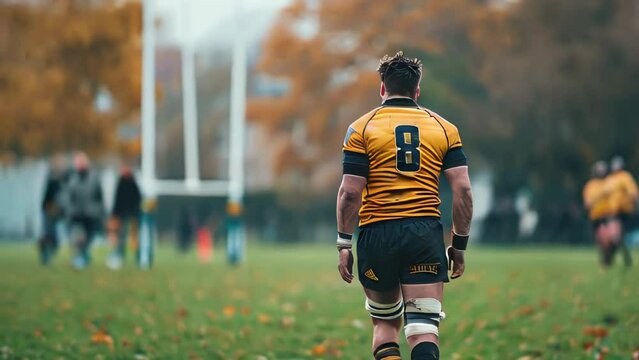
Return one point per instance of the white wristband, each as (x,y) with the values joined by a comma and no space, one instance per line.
(344,242)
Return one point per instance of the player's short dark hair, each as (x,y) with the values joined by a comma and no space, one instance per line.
(400,74)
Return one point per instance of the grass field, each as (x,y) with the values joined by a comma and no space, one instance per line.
(288,303)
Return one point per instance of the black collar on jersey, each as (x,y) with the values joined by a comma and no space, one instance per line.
(401,102)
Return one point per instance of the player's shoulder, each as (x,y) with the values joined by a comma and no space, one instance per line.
(442,121)
(359,124)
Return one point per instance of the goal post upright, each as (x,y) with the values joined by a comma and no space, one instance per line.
(147,226)
(189,105)
(192,185)
(148,98)
(236,232)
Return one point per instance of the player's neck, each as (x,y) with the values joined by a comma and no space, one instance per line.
(396,97)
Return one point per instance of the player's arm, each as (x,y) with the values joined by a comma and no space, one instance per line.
(631,186)
(349,199)
(459,182)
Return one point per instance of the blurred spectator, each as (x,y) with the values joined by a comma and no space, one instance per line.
(601,212)
(85,207)
(126,214)
(624,195)
(186,227)
(52,209)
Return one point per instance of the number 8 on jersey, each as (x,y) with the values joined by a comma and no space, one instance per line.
(407,143)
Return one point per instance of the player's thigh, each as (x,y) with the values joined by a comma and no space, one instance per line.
(384,297)
(416,291)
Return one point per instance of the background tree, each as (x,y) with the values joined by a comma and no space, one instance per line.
(328,53)
(538,89)
(56,58)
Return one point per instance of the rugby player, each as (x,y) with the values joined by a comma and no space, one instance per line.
(601,212)
(624,194)
(393,157)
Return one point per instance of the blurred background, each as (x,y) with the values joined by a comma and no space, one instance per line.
(147,125)
(538,89)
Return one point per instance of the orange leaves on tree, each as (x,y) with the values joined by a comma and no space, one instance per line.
(57,59)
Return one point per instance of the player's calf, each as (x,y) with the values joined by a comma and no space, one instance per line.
(387,323)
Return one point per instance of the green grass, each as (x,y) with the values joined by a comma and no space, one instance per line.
(288,303)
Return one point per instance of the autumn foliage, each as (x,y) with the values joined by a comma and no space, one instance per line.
(328,54)
(539,89)
(55,58)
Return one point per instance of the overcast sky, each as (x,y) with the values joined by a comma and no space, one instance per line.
(211,21)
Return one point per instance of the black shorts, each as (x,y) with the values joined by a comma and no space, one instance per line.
(628,221)
(404,251)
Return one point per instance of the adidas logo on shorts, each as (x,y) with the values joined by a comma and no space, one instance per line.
(371,275)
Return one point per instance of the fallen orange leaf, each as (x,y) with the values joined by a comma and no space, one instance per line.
(37,333)
(596,331)
(182,312)
(525,310)
(588,346)
(229,311)
(288,321)
(245,310)
(102,338)
(263,318)
(318,350)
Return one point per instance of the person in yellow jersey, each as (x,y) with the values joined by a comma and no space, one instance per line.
(393,158)
(624,195)
(602,212)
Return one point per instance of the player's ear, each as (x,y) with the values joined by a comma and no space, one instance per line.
(417,92)
(382,90)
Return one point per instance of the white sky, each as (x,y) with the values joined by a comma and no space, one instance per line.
(210,20)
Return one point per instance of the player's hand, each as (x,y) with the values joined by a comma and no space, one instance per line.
(345,266)
(456,262)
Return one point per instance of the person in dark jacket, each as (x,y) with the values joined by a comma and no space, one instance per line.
(52,210)
(85,207)
(126,213)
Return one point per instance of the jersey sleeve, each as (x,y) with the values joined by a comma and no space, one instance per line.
(454,140)
(631,186)
(455,155)
(355,158)
(353,141)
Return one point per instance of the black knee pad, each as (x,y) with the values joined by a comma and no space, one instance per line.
(425,351)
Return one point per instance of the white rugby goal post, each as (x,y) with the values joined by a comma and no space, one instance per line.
(192,185)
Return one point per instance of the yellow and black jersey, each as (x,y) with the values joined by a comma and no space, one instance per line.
(596,195)
(623,191)
(401,148)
